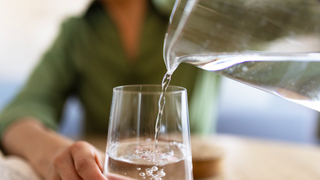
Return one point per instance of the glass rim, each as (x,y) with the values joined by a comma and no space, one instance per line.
(148,89)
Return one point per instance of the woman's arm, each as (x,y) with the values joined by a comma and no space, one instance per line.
(51,155)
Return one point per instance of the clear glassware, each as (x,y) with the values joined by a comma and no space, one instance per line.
(132,152)
(272,45)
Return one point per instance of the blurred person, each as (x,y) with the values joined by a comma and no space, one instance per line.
(116,42)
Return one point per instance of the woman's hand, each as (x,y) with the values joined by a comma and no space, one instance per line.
(52,156)
(80,161)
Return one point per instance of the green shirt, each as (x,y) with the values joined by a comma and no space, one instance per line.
(88,60)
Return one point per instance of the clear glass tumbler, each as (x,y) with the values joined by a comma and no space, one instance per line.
(132,152)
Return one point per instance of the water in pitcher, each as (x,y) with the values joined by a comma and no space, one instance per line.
(292,76)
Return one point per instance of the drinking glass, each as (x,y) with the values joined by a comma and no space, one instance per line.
(132,151)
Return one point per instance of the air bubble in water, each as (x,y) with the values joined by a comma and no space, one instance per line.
(154,168)
(138,169)
(149,172)
(161,173)
(142,174)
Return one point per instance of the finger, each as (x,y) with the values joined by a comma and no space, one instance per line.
(85,159)
(55,176)
(64,167)
(100,158)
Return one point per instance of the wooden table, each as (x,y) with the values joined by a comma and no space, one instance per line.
(256,159)
(253,159)
(243,159)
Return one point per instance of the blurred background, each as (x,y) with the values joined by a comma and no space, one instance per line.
(27,28)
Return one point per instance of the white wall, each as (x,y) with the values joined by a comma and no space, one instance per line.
(27,27)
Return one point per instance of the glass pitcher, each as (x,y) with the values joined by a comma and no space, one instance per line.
(272,45)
